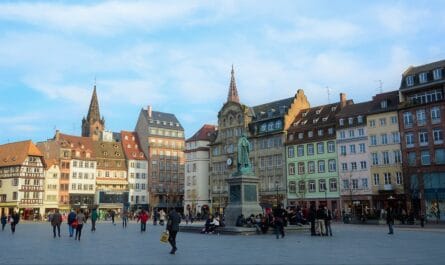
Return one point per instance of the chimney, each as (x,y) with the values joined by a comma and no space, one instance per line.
(149,111)
(342,100)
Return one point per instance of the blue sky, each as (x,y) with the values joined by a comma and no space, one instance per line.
(177,56)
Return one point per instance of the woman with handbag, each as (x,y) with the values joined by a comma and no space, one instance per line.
(80,218)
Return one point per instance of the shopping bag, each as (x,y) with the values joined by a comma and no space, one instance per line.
(164,237)
(74,224)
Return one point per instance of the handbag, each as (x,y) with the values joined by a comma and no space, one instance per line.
(164,237)
(74,224)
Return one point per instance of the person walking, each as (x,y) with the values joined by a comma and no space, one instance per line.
(312,216)
(320,220)
(390,219)
(4,220)
(161,217)
(327,221)
(124,217)
(173,227)
(143,217)
(15,218)
(56,221)
(112,214)
(94,217)
(71,217)
(80,221)
(279,215)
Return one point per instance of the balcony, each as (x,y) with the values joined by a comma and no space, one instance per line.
(31,188)
(31,201)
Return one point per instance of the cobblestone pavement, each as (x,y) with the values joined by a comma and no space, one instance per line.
(33,243)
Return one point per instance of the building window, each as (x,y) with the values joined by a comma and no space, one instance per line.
(311,167)
(341,122)
(360,119)
(423,138)
(395,137)
(409,80)
(320,132)
(350,121)
(292,187)
(437,74)
(393,119)
(331,131)
(421,117)
(332,185)
(408,119)
(412,158)
(343,150)
(346,184)
(353,166)
(320,148)
(425,158)
(439,156)
(409,138)
(423,78)
(387,177)
(435,115)
(364,183)
(291,169)
(331,147)
(300,136)
(15,182)
(361,132)
(354,184)
(290,151)
(311,185)
(332,165)
(352,148)
(438,136)
(362,147)
(373,139)
(301,186)
(322,185)
(310,134)
(310,149)
(383,122)
(344,166)
(342,134)
(399,178)
(301,170)
(385,158)
(363,164)
(384,138)
(351,134)
(397,157)
(321,166)
(372,123)
(383,104)
(376,179)
(300,150)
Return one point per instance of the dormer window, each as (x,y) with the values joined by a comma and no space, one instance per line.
(304,114)
(437,74)
(310,134)
(300,136)
(423,78)
(297,122)
(325,119)
(341,122)
(331,131)
(383,104)
(409,80)
(314,121)
(282,109)
(360,119)
(318,111)
(350,121)
(304,122)
(320,132)
(333,108)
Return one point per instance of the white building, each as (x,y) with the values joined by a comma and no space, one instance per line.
(137,165)
(51,194)
(197,174)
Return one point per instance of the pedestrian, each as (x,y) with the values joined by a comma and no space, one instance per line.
(161,217)
(56,221)
(422,220)
(80,221)
(94,217)
(124,217)
(155,216)
(320,217)
(3,221)
(327,221)
(15,218)
(390,219)
(71,217)
(112,214)
(143,217)
(173,227)
(312,215)
(279,215)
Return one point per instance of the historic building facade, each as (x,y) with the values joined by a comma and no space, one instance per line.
(162,140)
(21,179)
(385,151)
(421,112)
(353,158)
(137,166)
(197,175)
(311,156)
(51,194)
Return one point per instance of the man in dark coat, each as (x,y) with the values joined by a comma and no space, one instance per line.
(173,227)
(56,220)
(390,219)
(312,216)
(15,218)
(279,215)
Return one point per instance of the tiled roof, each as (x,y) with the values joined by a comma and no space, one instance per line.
(272,109)
(77,143)
(392,102)
(204,134)
(50,162)
(13,154)
(162,120)
(424,68)
(131,146)
(355,109)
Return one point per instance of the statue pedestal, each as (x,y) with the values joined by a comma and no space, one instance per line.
(243,197)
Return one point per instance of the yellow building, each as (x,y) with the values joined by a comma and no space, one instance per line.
(385,150)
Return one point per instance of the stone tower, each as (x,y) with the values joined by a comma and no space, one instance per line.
(93,125)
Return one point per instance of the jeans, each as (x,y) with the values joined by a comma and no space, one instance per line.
(70,230)
(390,226)
(93,225)
(279,229)
(57,226)
(124,222)
(172,239)
(143,226)
(328,227)
(78,231)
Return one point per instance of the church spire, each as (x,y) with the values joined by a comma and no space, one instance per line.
(233,92)
(93,111)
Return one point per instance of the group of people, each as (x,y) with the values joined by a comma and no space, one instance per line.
(12,219)
(212,223)
(320,220)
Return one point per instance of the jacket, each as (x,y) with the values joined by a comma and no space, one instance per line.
(173,221)
(56,219)
(94,215)
(71,217)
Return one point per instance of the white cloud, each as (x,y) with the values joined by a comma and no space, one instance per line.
(108,17)
(400,19)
